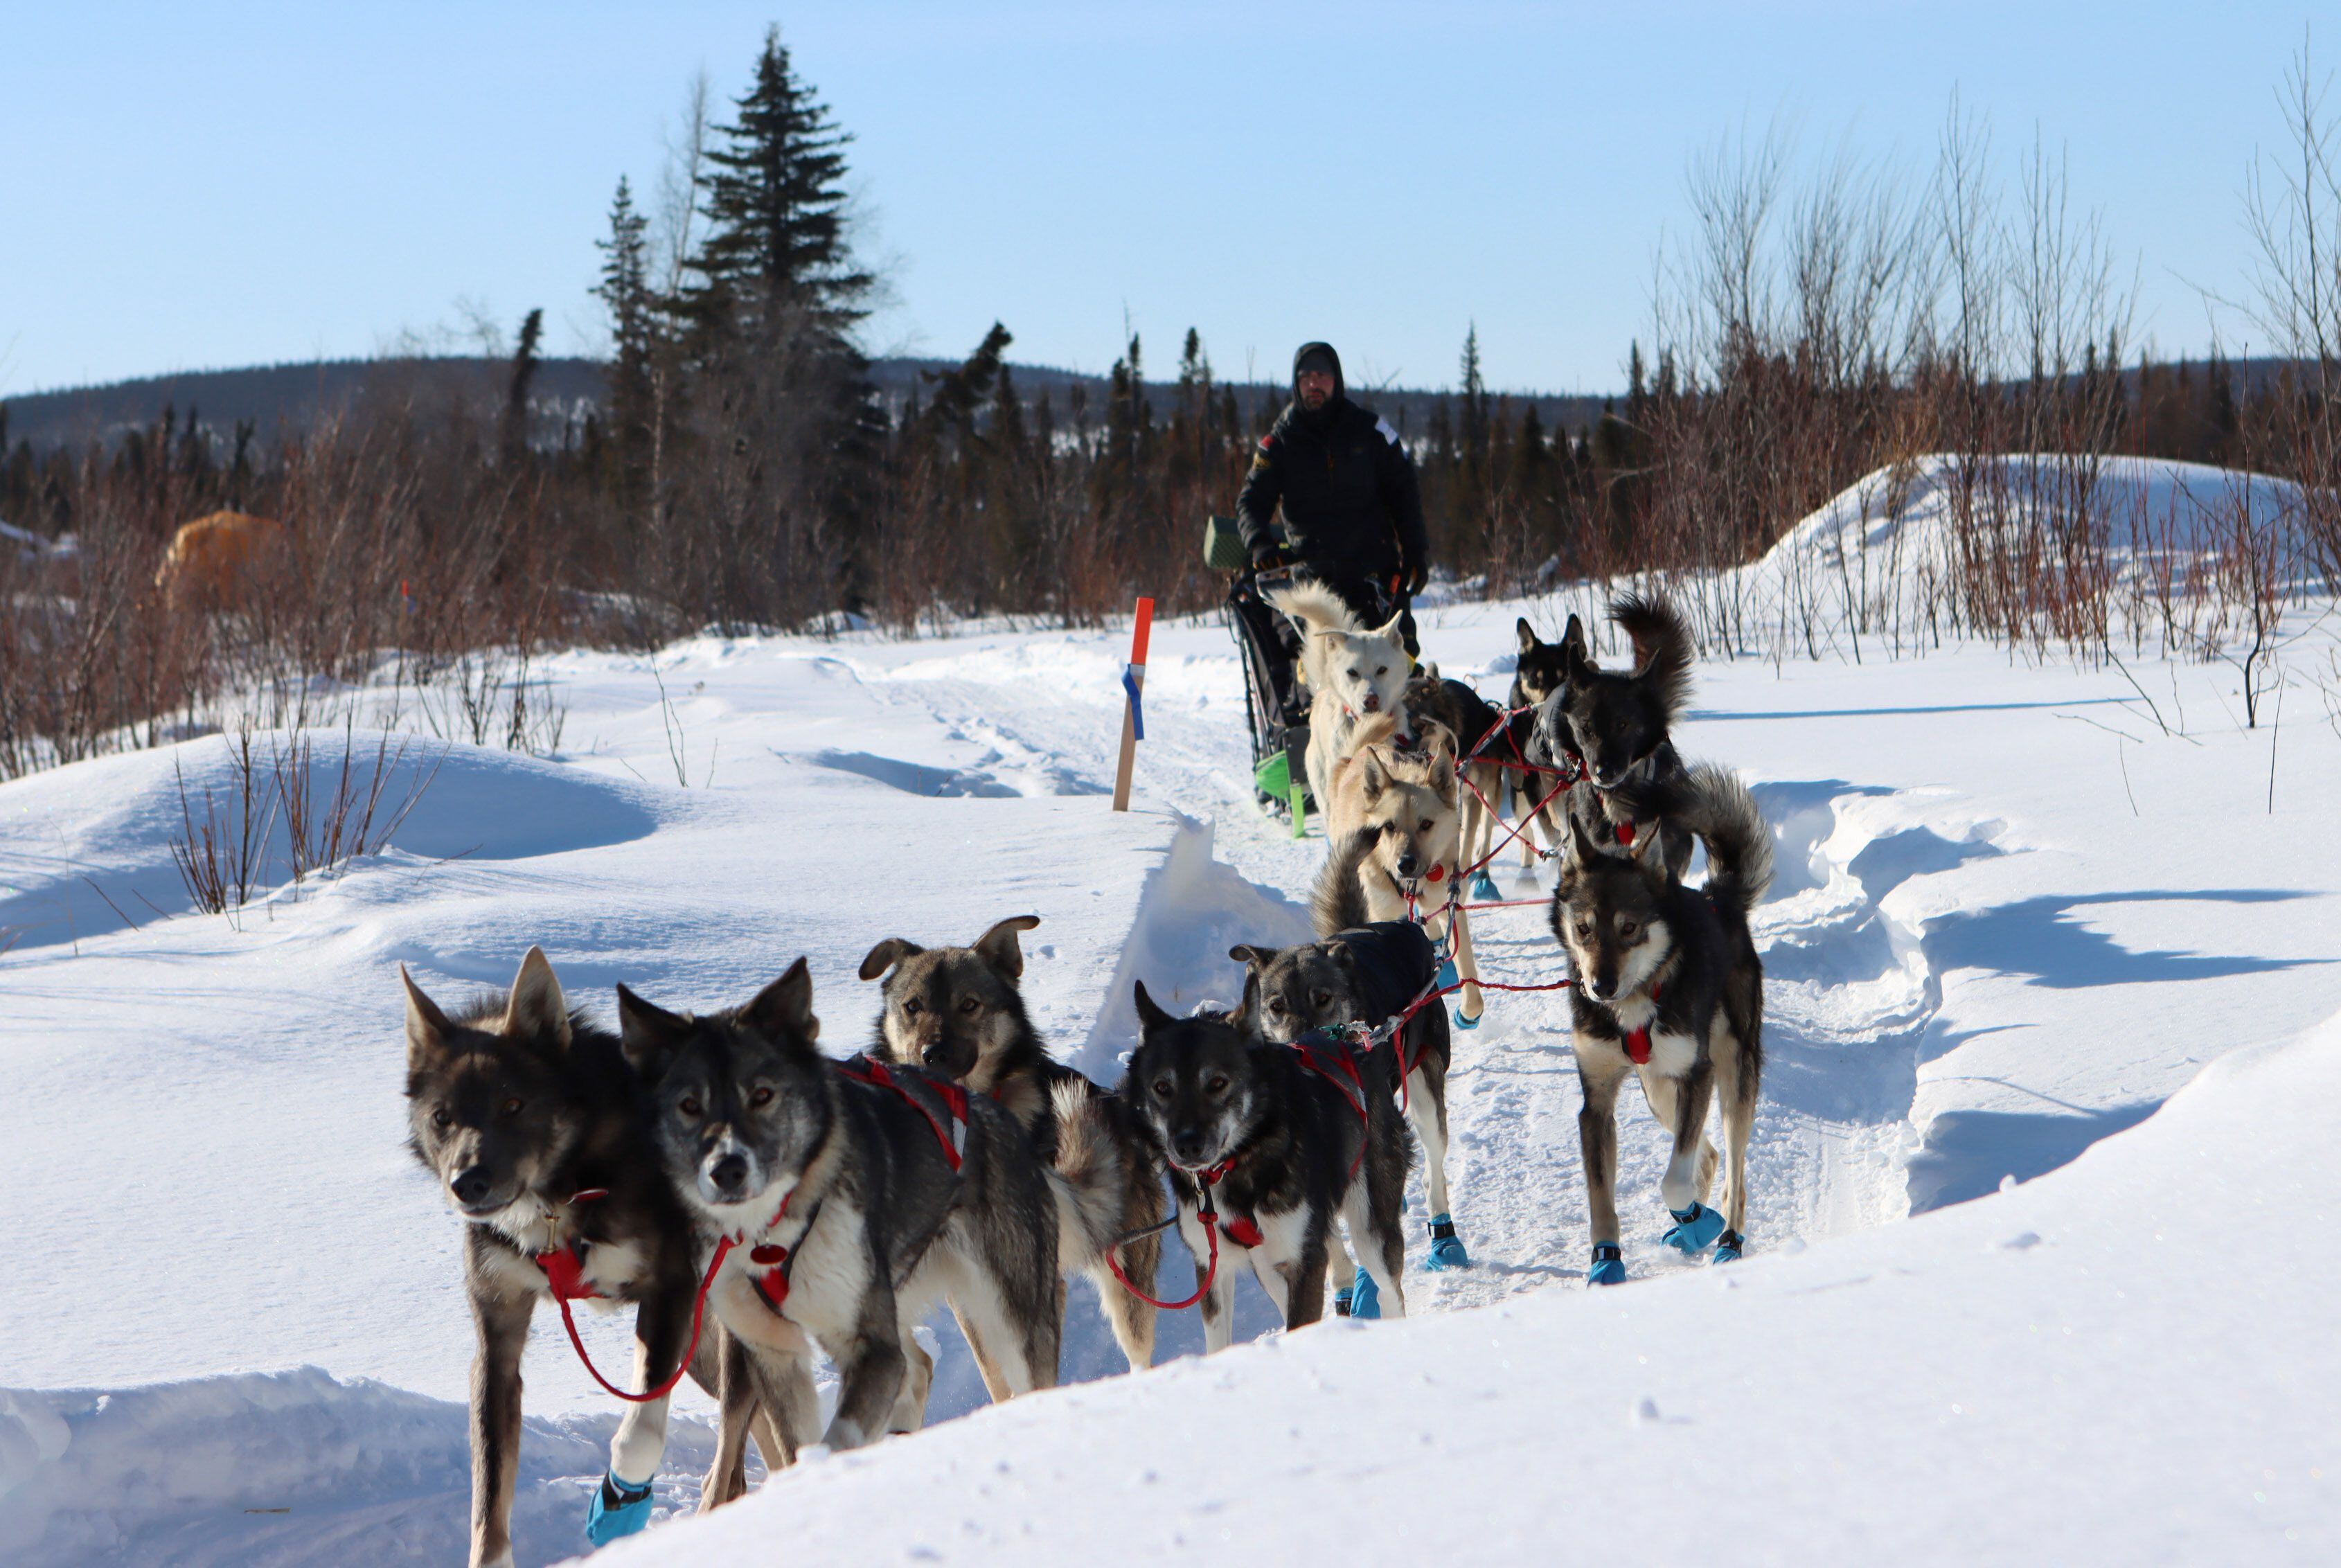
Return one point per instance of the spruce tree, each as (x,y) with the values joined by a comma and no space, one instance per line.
(625,292)
(776,260)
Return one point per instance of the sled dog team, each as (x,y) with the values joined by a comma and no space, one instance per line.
(756,1199)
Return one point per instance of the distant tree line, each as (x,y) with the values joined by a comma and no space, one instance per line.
(742,470)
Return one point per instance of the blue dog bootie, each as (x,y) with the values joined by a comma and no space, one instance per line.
(1447,974)
(1609,1265)
(1694,1230)
(1365,1296)
(1483,887)
(1341,1302)
(1728,1246)
(1445,1247)
(617,1509)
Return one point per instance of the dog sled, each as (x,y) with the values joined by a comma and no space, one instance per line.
(1275,704)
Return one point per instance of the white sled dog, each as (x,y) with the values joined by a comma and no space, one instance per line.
(1352,671)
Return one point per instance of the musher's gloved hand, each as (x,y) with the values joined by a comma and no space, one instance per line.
(1417,575)
(1267,557)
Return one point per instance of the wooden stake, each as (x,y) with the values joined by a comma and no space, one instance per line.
(1137,637)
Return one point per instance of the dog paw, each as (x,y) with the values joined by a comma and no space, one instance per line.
(1445,1247)
(617,1509)
(1609,1265)
(1365,1296)
(1728,1246)
(1341,1302)
(1483,888)
(1695,1229)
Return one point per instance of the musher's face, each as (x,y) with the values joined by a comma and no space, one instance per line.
(1314,387)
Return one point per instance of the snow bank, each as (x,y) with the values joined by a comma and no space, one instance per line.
(1886,557)
(277,1467)
(2040,1377)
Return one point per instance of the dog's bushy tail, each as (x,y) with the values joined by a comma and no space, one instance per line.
(1315,606)
(1087,1178)
(1718,808)
(1663,650)
(1338,902)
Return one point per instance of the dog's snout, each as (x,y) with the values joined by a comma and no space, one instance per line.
(1188,1145)
(1409,864)
(729,1173)
(1373,702)
(469,1186)
(936,1055)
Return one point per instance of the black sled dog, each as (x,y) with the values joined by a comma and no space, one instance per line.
(538,1133)
(846,1200)
(1312,993)
(1667,986)
(1619,727)
(959,1012)
(1263,1152)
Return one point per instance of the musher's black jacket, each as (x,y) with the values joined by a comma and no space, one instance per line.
(1352,505)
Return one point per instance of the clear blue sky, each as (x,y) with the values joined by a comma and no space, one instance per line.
(188,186)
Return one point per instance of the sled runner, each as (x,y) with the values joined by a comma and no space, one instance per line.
(1274,703)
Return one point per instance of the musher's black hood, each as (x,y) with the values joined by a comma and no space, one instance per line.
(1329,360)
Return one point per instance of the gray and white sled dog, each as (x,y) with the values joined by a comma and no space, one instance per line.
(854,1197)
(535,1127)
(1353,671)
(1367,975)
(959,1012)
(1393,837)
(1263,1153)
(1667,986)
(1619,725)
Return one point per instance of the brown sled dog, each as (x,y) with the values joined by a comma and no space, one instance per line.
(959,1013)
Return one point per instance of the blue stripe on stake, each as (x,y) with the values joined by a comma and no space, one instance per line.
(1137,712)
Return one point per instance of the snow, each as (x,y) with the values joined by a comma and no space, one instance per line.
(2027,949)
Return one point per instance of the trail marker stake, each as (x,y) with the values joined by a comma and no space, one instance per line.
(1133,721)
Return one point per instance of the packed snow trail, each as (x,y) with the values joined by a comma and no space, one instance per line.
(1980,963)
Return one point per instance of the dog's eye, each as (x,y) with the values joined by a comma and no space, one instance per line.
(1320,998)
(1424,826)
(1626,928)
(1162,1087)
(1218,1085)
(440,1118)
(970,1005)
(1382,669)
(512,1107)
(911,1009)
(689,1107)
(761,1098)
(1276,1005)
(1585,929)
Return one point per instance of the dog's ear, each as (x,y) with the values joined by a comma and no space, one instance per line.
(1576,662)
(537,1009)
(648,1035)
(783,1010)
(997,947)
(1374,773)
(887,955)
(426,1026)
(1390,629)
(1150,1017)
(1442,773)
(1250,957)
(1645,850)
(1582,850)
(1527,634)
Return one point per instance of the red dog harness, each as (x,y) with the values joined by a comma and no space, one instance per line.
(870,1070)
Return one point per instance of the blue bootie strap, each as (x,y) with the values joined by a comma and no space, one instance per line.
(617,1509)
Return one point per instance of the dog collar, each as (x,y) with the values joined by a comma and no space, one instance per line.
(1638,1041)
(565,1266)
